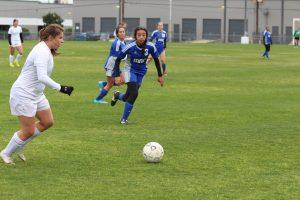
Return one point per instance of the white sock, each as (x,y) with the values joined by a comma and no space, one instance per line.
(14,143)
(37,132)
(11,59)
(18,58)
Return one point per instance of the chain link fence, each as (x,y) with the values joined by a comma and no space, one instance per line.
(176,37)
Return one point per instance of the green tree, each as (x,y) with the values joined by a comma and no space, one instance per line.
(52,18)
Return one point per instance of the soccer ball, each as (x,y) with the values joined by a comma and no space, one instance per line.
(153,152)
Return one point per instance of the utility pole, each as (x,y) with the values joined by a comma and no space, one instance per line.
(245,19)
(282,21)
(257,19)
(121,10)
(170,21)
(225,22)
(257,2)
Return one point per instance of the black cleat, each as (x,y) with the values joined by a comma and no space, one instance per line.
(115,98)
(123,121)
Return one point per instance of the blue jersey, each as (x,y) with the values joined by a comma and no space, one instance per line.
(159,38)
(115,49)
(138,56)
(267,38)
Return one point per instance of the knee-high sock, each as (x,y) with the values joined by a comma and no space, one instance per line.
(102,94)
(16,143)
(121,97)
(18,58)
(127,110)
(36,133)
(11,58)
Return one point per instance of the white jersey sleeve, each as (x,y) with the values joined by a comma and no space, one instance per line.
(35,74)
(41,69)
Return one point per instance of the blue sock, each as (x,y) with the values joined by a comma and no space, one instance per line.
(102,94)
(264,54)
(127,110)
(267,54)
(121,95)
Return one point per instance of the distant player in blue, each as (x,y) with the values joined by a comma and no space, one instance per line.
(137,52)
(115,50)
(159,38)
(267,39)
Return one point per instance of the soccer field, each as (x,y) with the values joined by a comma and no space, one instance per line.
(229,122)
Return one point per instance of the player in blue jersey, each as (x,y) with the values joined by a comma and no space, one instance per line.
(115,49)
(267,39)
(137,52)
(159,38)
(120,25)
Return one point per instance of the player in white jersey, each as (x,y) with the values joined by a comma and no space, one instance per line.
(15,40)
(27,99)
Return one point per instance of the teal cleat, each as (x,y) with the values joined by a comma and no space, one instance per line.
(102,84)
(99,101)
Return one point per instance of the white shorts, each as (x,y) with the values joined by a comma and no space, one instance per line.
(109,67)
(16,43)
(28,108)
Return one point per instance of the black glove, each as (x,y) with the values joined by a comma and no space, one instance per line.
(66,89)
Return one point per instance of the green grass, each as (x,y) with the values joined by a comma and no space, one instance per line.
(229,122)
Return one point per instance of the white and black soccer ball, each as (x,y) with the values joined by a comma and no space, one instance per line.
(153,152)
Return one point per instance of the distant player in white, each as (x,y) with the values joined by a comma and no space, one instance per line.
(15,40)
(27,99)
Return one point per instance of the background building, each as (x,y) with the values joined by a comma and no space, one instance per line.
(192,19)
(30,13)
(223,20)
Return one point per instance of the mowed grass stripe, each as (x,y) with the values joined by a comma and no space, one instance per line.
(227,119)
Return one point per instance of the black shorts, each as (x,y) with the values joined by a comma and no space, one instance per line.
(268,47)
(296,38)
